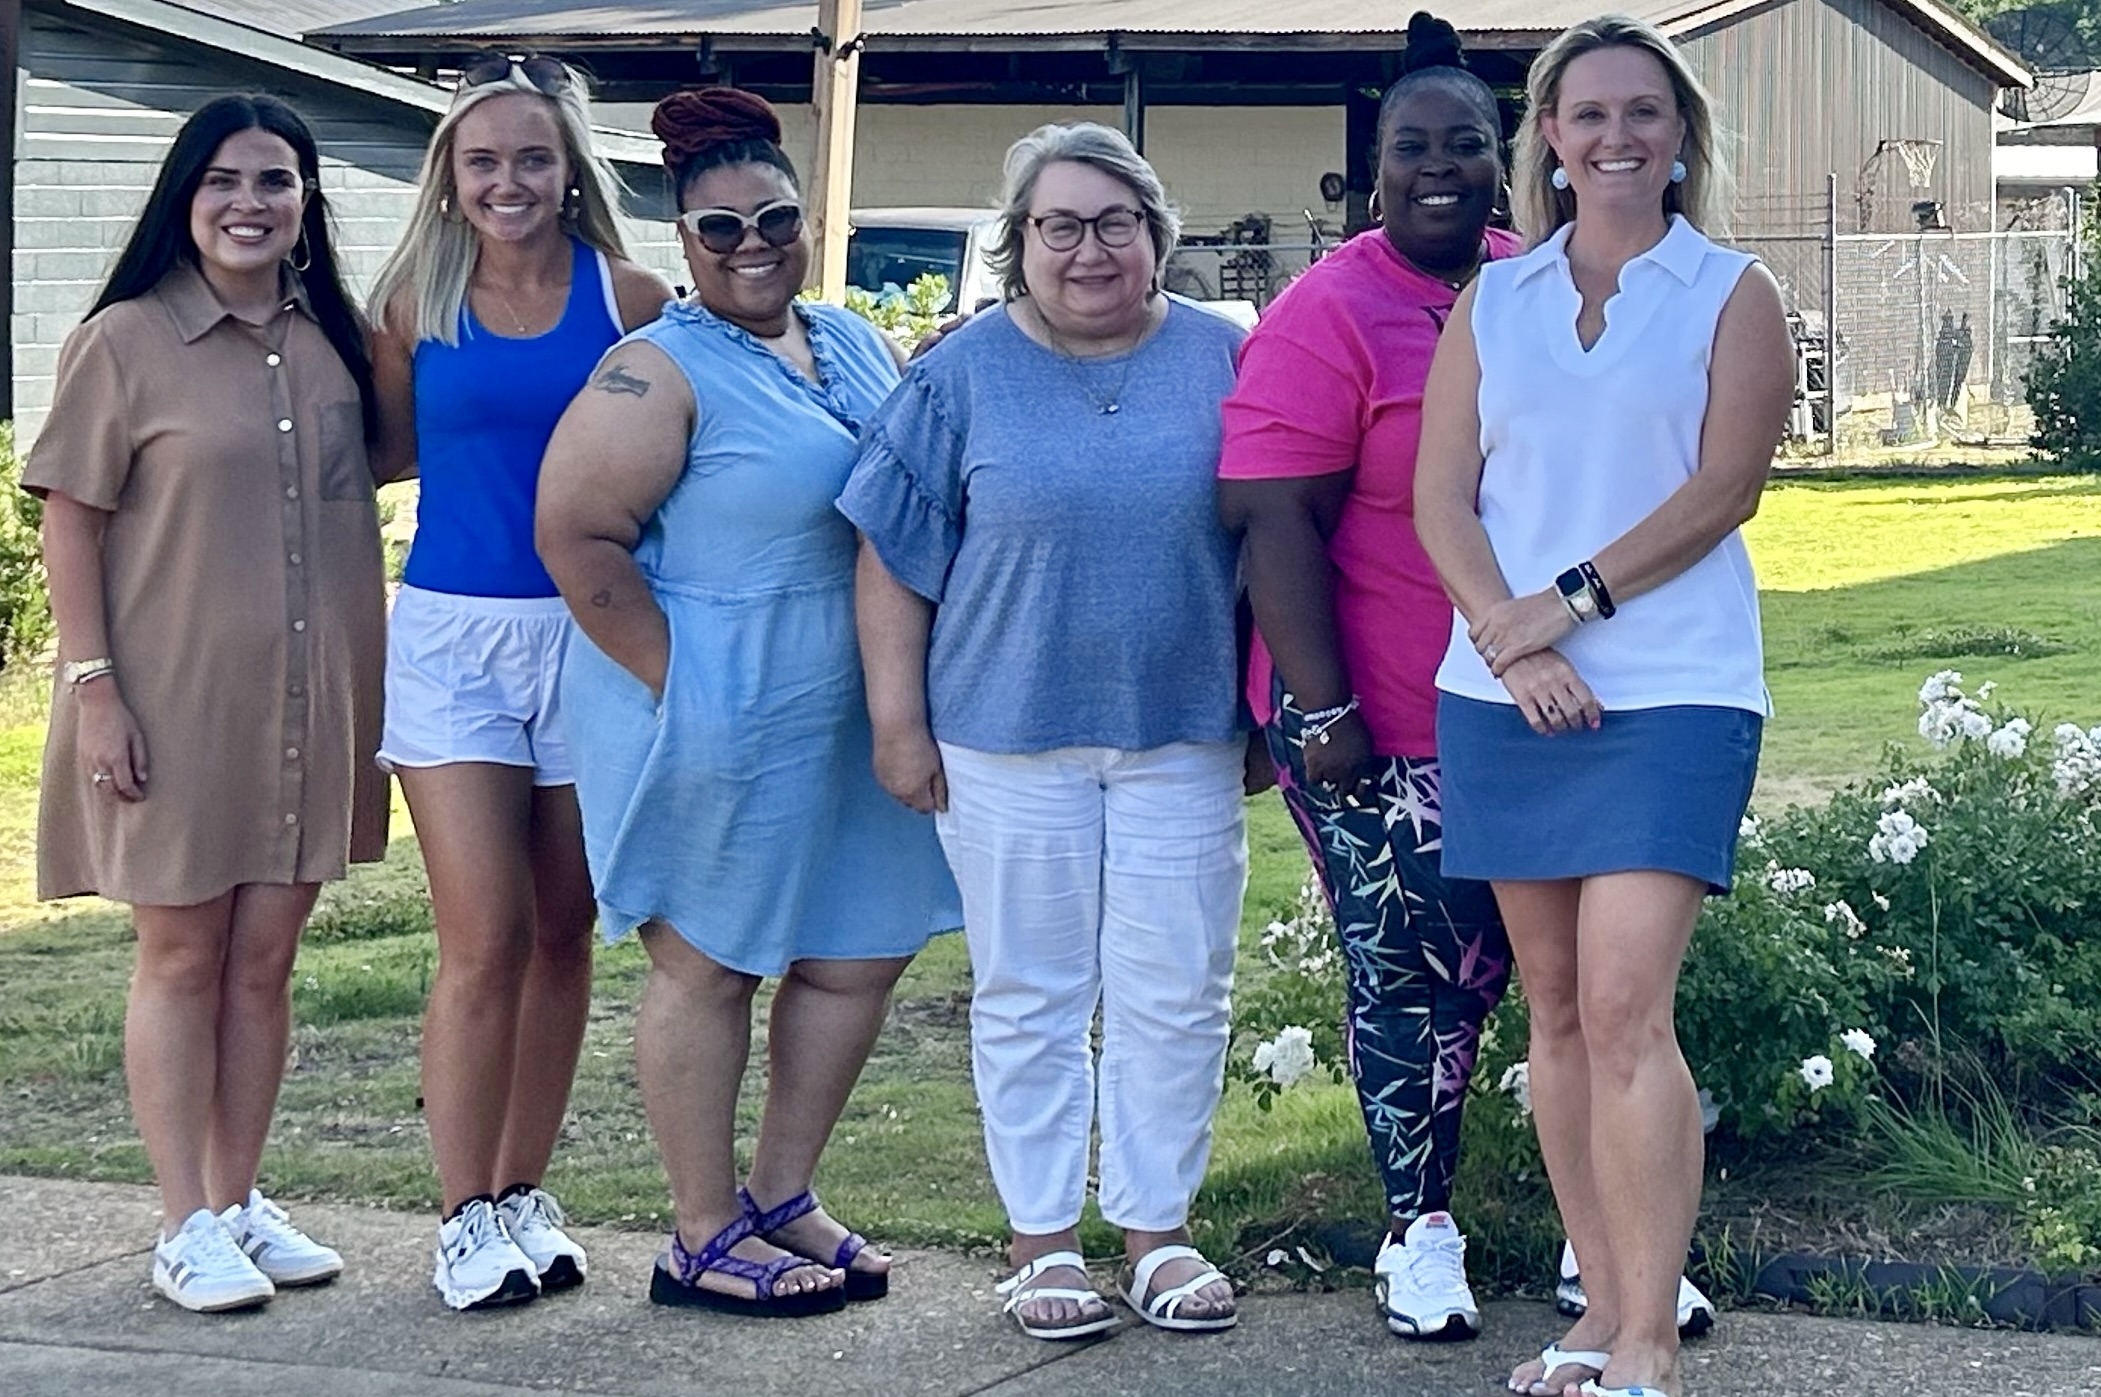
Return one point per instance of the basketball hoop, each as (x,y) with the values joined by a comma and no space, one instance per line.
(1919,158)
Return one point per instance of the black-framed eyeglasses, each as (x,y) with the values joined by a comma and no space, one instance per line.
(721,231)
(544,73)
(1062,232)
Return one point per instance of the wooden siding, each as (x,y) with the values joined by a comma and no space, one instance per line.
(1810,87)
(99,105)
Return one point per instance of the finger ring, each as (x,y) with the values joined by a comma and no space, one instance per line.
(1489,652)
(101,778)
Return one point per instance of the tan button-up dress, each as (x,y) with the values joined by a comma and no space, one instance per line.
(245,600)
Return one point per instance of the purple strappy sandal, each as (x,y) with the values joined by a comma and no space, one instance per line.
(860,1285)
(680,1284)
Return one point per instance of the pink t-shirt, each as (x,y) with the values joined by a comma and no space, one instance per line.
(1331,379)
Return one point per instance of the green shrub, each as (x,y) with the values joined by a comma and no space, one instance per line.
(910,313)
(2064,382)
(25,609)
(1929,928)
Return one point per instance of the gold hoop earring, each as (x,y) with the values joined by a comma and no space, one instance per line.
(1372,205)
(302,252)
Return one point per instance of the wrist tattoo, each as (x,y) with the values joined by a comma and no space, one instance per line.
(616,379)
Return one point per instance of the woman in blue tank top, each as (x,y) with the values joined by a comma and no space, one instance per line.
(509,284)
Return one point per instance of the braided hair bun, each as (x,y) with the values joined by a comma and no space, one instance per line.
(690,123)
(1432,43)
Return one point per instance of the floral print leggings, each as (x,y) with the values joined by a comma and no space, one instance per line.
(1426,958)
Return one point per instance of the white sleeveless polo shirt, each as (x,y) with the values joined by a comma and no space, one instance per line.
(1580,446)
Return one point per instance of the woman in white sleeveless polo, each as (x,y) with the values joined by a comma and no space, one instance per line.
(1600,419)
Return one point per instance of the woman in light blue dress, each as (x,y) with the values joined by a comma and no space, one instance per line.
(714,697)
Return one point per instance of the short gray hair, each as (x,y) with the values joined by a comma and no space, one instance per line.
(1083,143)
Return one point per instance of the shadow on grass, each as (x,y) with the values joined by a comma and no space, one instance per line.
(1838,697)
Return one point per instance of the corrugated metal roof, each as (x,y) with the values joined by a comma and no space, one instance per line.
(296,18)
(987,18)
(901,21)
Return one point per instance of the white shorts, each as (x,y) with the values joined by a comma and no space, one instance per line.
(476,679)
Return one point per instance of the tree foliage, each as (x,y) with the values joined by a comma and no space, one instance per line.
(2064,381)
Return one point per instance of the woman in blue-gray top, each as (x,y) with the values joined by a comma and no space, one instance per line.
(723,748)
(1046,610)
(509,284)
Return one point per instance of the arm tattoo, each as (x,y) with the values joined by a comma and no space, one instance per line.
(602,598)
(616,379)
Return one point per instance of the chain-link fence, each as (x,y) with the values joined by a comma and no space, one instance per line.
(1905,339)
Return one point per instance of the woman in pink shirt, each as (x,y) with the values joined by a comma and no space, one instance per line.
(1318,472)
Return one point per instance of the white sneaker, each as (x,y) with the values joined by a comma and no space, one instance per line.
(478,1263)
(279,1250)
(1422,1285)
(201,1269)
(1695,1310)
(534,1221)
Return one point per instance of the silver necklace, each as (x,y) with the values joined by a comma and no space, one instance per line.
(1078,367)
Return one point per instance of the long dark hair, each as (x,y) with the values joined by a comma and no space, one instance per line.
(161,238)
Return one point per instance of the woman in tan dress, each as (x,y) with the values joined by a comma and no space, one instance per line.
(213,550)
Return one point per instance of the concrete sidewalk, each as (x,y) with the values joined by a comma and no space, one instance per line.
(79,1319)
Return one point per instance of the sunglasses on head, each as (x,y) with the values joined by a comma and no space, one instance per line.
(544,73)
(721,231)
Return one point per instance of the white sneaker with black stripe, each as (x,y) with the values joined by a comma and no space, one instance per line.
(1695,1310)
(534,1221)
(478,1264)
(1420,1282)
(279,1250)
(201,1268)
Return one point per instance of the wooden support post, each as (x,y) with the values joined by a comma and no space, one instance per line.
(834,88)
(10,67)
(1360,140)
(1134,104)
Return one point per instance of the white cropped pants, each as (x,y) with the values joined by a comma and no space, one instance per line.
(1092,876)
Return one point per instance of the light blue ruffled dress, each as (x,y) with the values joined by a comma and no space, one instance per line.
(743,810)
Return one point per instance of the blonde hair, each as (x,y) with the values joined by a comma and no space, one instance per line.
(422,288)
(1084,143)
(1537,207)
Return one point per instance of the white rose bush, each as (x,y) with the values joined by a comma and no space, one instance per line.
(1934,922)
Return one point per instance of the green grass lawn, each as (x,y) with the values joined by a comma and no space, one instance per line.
(1870,585)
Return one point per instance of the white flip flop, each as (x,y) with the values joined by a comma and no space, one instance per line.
(1019,1292)
(1163,1310)
(1594,1388)
(1554,1356)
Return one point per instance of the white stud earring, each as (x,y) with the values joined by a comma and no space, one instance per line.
(1677,172)
(1559,179)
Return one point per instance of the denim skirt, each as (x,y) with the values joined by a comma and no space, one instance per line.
(1650,789)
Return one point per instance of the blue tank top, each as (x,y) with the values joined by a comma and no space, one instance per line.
(485,408)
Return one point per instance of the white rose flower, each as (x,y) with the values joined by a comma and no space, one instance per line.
(1517,1080)
(1748,831)
(1975,725)
(2010,741)
(1936,686)
(1787,881)
(1859,1043)
(1841,914)
(1287,1058)
(1816,1072)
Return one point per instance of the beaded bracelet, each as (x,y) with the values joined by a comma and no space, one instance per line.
(1315,725)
